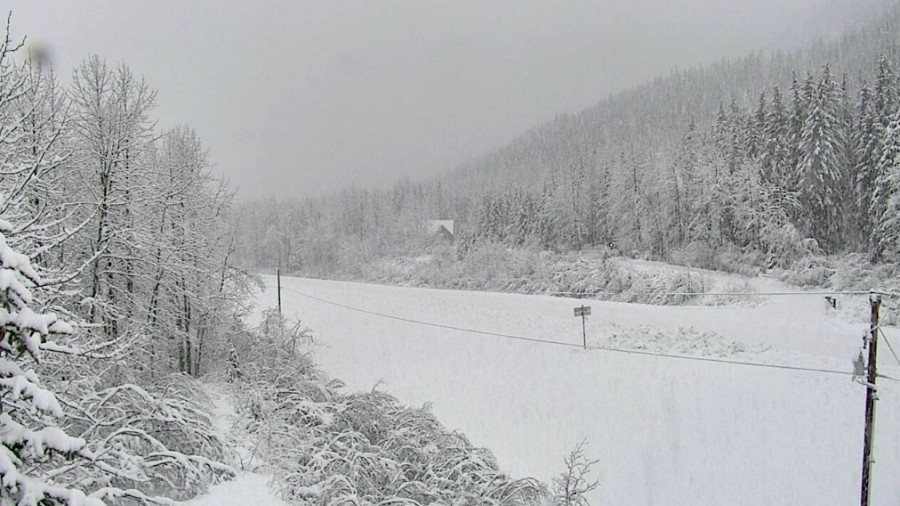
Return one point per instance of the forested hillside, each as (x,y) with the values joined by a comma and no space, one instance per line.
(759,161)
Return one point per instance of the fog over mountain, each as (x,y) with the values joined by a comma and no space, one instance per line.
(321,95)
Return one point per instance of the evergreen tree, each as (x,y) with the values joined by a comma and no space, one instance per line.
(821,170)
(879,109)
(31,440)
(885,206)
(775,164)
(799,106)
(600,226)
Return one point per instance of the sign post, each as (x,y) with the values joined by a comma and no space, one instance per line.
(583,312)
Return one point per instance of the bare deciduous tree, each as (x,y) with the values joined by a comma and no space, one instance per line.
(571,486)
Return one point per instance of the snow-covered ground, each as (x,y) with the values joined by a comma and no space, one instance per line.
(666,431)
(249,487)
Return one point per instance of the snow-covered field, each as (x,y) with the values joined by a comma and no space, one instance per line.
(666,431)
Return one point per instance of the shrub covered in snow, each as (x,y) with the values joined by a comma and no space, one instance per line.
(852,271)
(571,486)
(133,442)
(496,267)
(157,438)
(326,446)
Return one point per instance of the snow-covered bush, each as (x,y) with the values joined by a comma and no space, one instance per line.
(133,442)
(683,341)
(850,272)
(809,271)
(157,438)
(494,266)
(855,272)
(326,446)
(571,486)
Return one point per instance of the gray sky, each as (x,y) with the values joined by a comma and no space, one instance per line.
(302,97)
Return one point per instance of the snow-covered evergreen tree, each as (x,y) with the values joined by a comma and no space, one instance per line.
(867,142)
(872,188)
(885,207)
(775,150)
(821,169)
(32,443)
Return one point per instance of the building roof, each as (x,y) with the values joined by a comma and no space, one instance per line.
(435,226)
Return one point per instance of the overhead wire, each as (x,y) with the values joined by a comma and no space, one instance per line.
(571,344)
(888,342)
(889,378)
(431,324)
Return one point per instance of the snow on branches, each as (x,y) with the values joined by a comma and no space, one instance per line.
(128,247)
(29,437)
(573,484)
(330,447)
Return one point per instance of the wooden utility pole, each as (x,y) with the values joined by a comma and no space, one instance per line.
(871,397)
(278,277)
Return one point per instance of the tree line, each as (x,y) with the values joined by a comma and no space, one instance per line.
(117,286)
(808,170)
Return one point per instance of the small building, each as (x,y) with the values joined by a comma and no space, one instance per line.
(444,228)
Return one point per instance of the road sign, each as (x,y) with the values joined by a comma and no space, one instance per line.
(583,311)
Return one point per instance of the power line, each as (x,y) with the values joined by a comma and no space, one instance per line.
(573,345)
(432,324)
(888,343)
(888,378)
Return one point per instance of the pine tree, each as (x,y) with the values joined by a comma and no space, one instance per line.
(820,169)
(867,157)
(885,207)
(757,129)
(876,111)
(775,157)
(799,107)
(683,181)
(31,440)
(849,232)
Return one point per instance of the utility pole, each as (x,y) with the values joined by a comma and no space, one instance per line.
(871,397)
(278,277)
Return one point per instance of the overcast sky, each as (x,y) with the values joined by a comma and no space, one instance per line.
(302,97)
